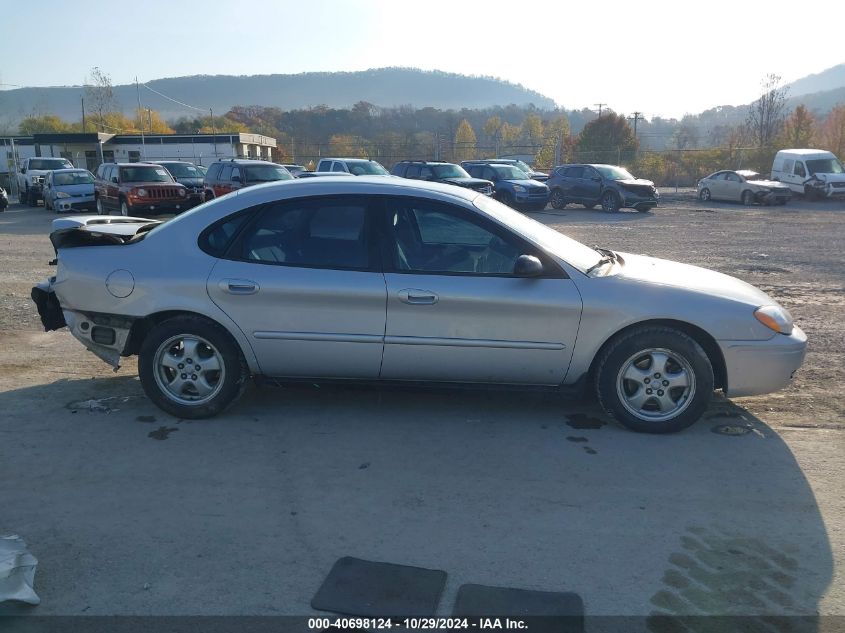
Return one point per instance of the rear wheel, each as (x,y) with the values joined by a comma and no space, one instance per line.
(124,208)
(610,202)
(101,210)
(191,367)
(655,380)
(557,199)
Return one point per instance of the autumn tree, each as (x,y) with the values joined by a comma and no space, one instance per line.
(765,115)
(150,122)
(833,131)
(799,128)
(345,145)
(465,141)
(555,135)
(45,124)
(608,138)
(100,97)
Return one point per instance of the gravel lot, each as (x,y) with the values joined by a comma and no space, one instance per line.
(246,513)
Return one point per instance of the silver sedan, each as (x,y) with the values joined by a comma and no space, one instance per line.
(390,280)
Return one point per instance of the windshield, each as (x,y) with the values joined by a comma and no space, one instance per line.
(183,170)
(614,173)
(367,168)
(449,171)
(508,172)
(575,253)
(267,173)
(47,164)
(73,178)
(824,166)
(144,174)
(523,166)
(751,175)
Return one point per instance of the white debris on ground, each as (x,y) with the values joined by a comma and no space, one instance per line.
(17,571)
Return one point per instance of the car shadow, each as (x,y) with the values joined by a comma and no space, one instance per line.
(131,511)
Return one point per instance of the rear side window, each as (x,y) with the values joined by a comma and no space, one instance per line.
(226,174)
(213,171)
(327,233)
(216,239)
(413,171)
(575,172)
(788,165)
(337,166)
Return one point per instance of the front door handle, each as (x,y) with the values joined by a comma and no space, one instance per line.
(239,286)
(414,296)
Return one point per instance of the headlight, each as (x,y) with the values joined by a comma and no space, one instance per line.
(141,193)
(519,188)
(184,192)
(62,194)
(775,318)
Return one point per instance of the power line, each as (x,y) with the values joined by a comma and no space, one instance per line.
(174,100)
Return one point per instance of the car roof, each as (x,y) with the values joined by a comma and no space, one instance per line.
(68,169)
(351,160)
(804,152)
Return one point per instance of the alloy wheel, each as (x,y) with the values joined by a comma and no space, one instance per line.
(188,369)
(656,384)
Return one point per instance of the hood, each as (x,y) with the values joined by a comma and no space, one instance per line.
(467,182)
(85,188)
(636,181)
(527,183)
(663,272)
(189,181)
(153,183)
(773,184)
(829,177)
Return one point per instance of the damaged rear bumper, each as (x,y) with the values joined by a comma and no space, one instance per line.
(103,335)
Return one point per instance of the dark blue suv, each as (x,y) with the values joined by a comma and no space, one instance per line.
(610,186)
(511,185)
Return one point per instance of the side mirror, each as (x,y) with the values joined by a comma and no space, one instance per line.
(527,266)
(596,178)
(23,170)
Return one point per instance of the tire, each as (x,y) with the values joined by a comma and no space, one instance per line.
(811,194)
(203,393)
(643,208)
(589,206)
(124,208)
(627,363)
(557,200)
(207,195)
(747,198)
(101,209)
(610,202)
(506,198)
(704,195)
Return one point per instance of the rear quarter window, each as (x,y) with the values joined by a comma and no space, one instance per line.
(216,239)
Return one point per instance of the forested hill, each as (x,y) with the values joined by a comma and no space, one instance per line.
(381,87)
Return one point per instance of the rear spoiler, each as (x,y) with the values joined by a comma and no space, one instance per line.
(73,232)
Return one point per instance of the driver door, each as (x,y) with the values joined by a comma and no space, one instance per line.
(455,309)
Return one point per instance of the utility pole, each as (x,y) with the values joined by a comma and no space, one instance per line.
(600,105)
(140,119)
(213,133)
(638,116)
(82,100)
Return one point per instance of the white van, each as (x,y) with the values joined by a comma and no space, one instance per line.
(813,172)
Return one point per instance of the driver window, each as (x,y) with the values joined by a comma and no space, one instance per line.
(732,177)
(799,169)
(432,238)
(575,172)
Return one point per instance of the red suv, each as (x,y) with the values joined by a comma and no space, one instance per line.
(134,188)
(231,174)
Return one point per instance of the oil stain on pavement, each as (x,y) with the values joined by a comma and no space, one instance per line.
(161,433)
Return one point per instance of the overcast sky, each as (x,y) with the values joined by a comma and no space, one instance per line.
(661,58)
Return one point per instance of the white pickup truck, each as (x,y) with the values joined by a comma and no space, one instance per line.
(31,177)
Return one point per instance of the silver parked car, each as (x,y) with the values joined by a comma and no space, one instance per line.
(69,190)
(388,279)
(743,186)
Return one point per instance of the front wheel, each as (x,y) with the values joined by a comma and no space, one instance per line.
(610,202)
(100,209)
(191,367)
(557,199)
(747,198)
(654,380)
(704,195)
(124,208)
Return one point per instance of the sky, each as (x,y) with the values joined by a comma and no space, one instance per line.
(659,58)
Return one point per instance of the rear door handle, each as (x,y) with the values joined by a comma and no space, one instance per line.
(239,286)
(413,296)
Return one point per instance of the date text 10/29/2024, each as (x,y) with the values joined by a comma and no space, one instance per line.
(478,623)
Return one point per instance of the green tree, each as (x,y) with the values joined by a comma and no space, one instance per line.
(465,141)
(555,135)
(607,139)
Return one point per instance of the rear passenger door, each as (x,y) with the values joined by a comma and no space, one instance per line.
(303,281)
